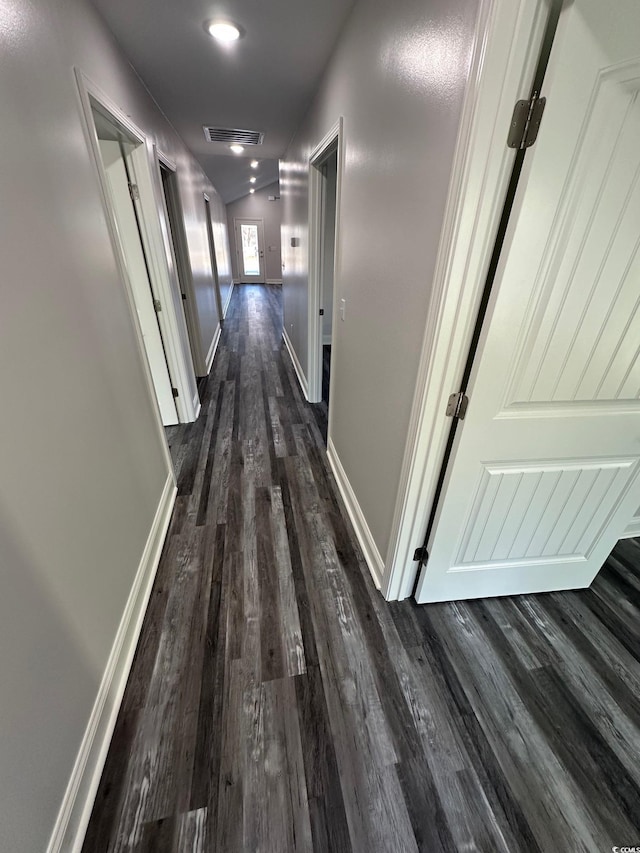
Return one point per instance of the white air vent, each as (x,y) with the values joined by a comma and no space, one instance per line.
(232,134)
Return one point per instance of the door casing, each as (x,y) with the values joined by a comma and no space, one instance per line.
(509,36)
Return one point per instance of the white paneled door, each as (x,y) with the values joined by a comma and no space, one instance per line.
(544,475)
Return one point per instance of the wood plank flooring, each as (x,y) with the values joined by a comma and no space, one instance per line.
(277,703)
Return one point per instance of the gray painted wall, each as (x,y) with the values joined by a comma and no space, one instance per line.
(258,206)
(80,453)
(398,78)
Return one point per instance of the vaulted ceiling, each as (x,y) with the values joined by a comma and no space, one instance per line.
(264,81)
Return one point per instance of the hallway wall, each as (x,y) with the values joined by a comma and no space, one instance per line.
(258,206)
(81,455)
(398,78)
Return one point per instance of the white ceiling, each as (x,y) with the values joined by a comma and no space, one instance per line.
(262,82)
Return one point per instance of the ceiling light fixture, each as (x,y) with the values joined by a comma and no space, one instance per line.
(252,191)
(237,149)
(254,164)
(223,31)
(252,180)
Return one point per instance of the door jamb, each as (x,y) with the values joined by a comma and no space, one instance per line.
(180,366)
(332,140)
(505,56)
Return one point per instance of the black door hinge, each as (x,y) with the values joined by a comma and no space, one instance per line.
(322,312)
(174,391)
(525,122)
(420,555)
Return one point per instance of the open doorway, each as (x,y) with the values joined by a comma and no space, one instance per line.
(117,152)
(324,192)
(177,237)
(329,172)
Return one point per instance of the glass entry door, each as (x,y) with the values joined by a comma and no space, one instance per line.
(250,250)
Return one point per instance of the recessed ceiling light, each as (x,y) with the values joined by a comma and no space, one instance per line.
(252,180)
(223,31)
(237,149)
(252,190)
(254,164)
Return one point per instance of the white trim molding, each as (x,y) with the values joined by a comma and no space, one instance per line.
(302,379)
(508,40)
(77,803)
(332,140)
(212,349)
(274,281)
(632,529)
(228,302)
(365,539)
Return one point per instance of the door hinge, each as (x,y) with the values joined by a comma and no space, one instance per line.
(134,192)
(157,306)
(420,555)
(525,122)
(322,312)
(174,391)
(457,406)
(184,296)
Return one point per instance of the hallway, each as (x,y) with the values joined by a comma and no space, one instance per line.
(277,703)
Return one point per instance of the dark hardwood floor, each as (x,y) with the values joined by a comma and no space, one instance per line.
(277,703)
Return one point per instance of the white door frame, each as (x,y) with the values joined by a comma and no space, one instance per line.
(180,258)
(509,36)
(332,140)
(148,178)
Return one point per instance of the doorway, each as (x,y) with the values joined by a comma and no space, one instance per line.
(177,238)
(117,151)
(214,262)
(324,195)
(250,250)
(329,173)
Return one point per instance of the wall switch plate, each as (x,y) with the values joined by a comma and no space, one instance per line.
(343,308)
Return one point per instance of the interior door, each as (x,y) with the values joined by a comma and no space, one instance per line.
(544,475)
(137,270)
(250,250)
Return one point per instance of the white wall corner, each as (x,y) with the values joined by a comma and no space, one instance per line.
(75,811)
(302,379)
(364,536)
(228,302)
(212,349)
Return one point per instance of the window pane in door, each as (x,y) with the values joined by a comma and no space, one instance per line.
(250,256)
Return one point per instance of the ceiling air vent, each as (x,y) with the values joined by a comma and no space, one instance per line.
(232,134)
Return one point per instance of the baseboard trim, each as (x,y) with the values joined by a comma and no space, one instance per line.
(274,281)
(370,551)
(75,811)
(302,379)
(197,406)
(326,340)
(226,307)
(212,349)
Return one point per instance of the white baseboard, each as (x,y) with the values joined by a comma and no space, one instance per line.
(326,340)
(75,811)
(274,281)
(632,530)
(302,379)
(226,307)
(370,551)
(197,405)
(212,349)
